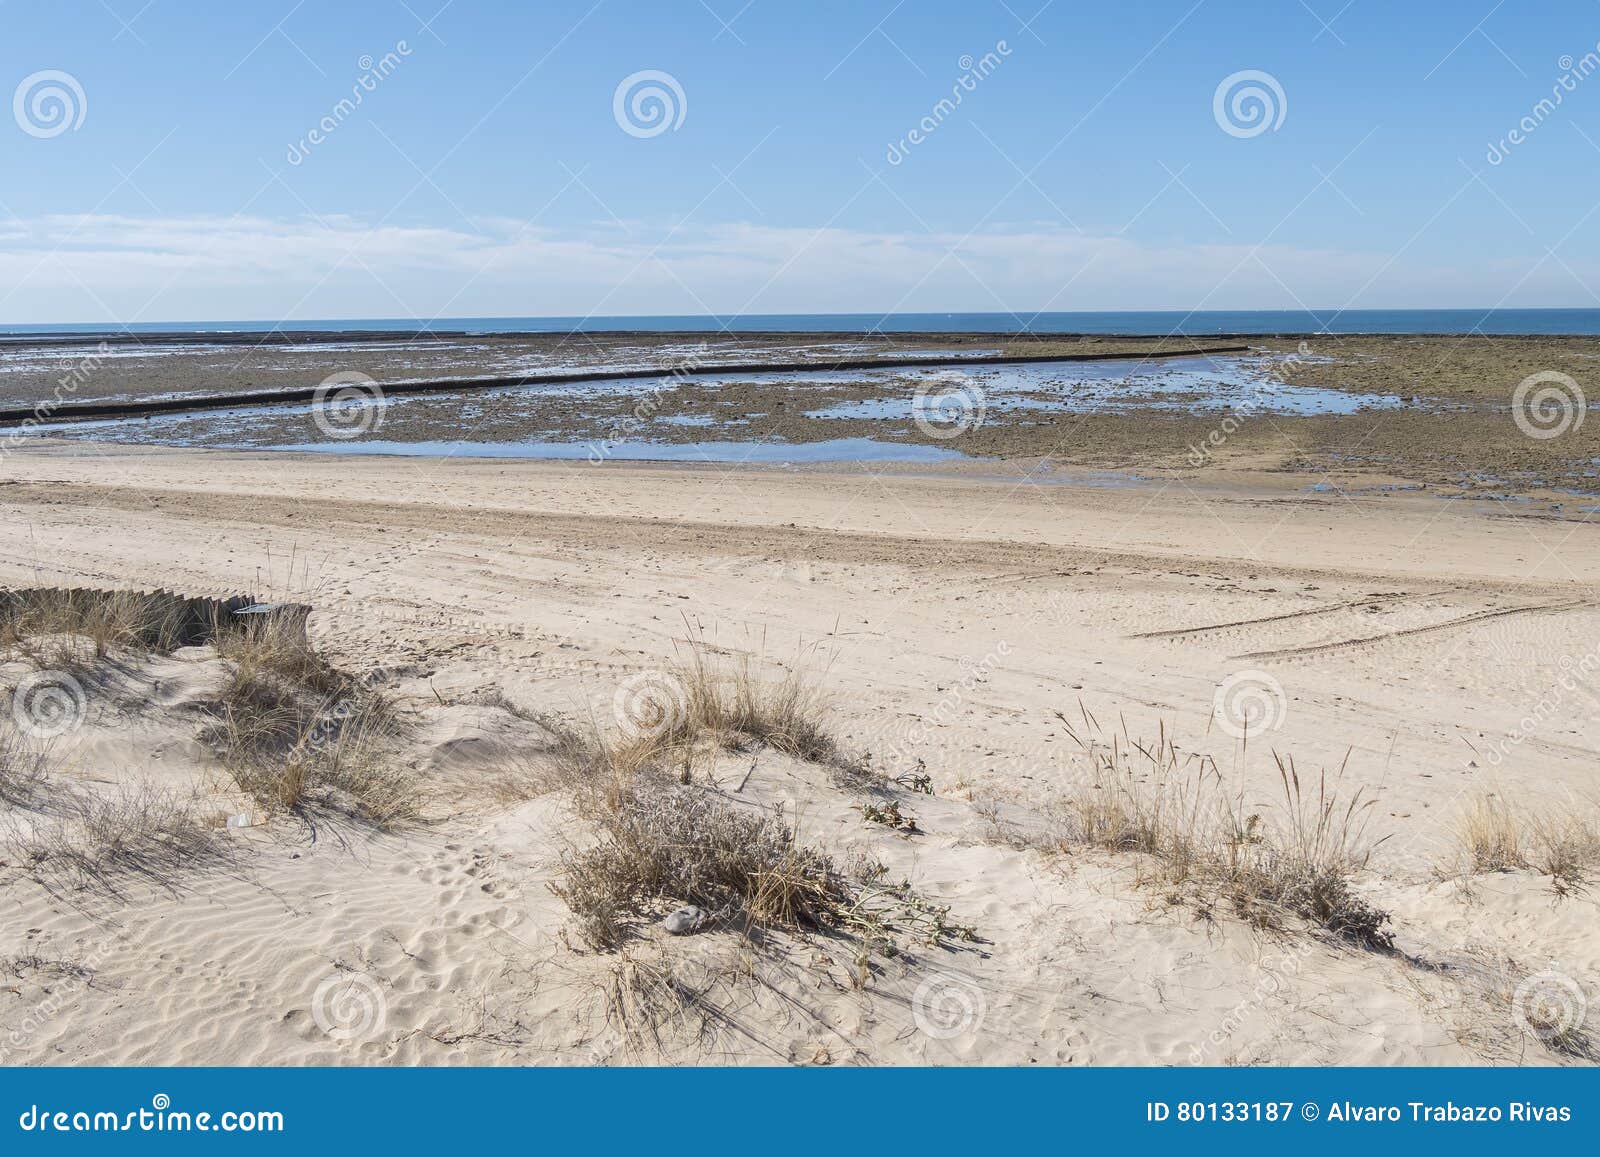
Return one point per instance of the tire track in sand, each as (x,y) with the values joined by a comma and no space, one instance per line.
(1464,620)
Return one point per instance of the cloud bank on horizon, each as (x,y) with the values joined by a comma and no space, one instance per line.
(607,157)
(138,270)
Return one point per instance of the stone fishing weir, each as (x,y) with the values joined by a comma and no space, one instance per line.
(300,395)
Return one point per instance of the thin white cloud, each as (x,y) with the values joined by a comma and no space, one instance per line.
(126,269)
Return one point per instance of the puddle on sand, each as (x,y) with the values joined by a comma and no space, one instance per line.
(831,450)
(1099,479)
(1378,488)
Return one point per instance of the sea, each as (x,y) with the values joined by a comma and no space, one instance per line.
(1202,323)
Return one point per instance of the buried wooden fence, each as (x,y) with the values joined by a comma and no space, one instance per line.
(181,620)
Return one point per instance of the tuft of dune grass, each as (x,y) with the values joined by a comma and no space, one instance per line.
(107,620)
(302,737)
(1295,860)
(1491,836)
(1561,841)
(664,842)
(24,771)
(1565,846)
(732,706)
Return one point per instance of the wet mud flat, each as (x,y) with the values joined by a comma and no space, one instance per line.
(1437,411)
(151,366)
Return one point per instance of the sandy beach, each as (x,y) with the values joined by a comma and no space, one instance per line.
(588,573)
(1010,630)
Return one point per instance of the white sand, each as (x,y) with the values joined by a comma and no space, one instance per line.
(953,616)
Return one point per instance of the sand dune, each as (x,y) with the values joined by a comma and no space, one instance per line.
(1427,647)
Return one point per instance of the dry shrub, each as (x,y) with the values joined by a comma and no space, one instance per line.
(1304,865)
(1298,862)
(104,841)
(664,843)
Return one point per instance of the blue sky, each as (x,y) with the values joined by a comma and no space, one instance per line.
(487,173)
